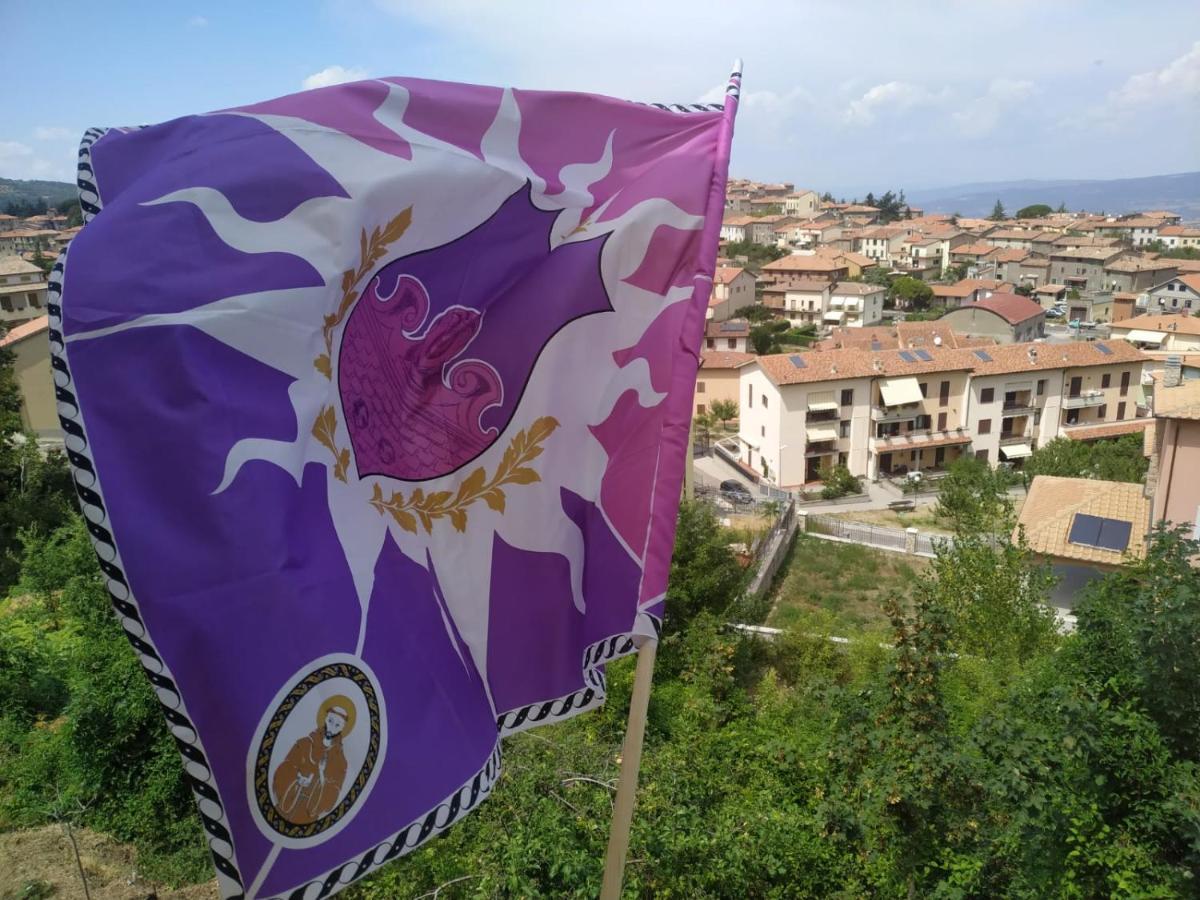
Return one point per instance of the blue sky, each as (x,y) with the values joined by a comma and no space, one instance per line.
(846,96)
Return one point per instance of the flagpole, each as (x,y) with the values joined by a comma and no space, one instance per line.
(631,760)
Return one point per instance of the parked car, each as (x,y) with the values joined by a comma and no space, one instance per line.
(736,491)
(1054,313)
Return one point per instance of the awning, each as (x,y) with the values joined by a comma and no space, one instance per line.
(834,315)
(836,303)
(822,402)
(1017,386)
(821,432)
(1016,451)
(898,391)
(1146,337)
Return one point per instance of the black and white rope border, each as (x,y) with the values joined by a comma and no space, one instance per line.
(733,88)
(589,696)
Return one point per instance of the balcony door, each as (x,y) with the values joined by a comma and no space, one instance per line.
(1076,386)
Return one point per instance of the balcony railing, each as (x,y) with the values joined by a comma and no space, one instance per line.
(828,449)
(918,438)
(1018,408)
(1084,399)
(895,414)
(1010,437)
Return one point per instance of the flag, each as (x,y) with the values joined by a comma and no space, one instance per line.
(377,398)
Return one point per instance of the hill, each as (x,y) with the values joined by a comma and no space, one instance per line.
(14,192)
(1180,193)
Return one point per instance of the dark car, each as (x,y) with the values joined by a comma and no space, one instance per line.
(736,491)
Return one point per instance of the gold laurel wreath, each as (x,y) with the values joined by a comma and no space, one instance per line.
(525,447)
(371,250)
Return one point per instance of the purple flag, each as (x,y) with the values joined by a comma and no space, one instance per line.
(378,399)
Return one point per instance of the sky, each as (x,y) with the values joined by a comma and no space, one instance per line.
(841,96)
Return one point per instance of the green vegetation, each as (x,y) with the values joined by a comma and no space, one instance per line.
(1172,253)
(1112,459)
(1036,211)
(33,198)
(891,206)
(757,255)
(913,292)
(755,312)
(836,481)
(998,214)
(724,410)
(973,498)
(777,334)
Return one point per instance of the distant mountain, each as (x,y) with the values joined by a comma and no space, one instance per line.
(14,192)
(1180,193)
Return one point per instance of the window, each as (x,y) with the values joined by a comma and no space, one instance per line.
(700,407)
(1124,383)
(762,430)
(1101,410)
(844,428)
(1072,417)
(750,396)
(847,396)
(699,387)
(1037,417)
(987,395)
(944,394)
(922,422)
(1105,380)
(732,343)
(711,343)
(1121,410)
(981,454)
(941,421)
(764,400)
(1041,386)
(924,389)
(985,426)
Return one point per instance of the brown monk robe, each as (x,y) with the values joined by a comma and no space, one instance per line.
(309,780)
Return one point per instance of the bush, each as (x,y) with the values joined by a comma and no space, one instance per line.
(837,482)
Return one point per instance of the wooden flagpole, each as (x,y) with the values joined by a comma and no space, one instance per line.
(631,760)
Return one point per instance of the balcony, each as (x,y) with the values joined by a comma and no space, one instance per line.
(824,448)
(884,414)
(1084,399)
(1008,438)
(915,440)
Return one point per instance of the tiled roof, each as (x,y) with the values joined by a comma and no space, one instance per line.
(1013,308)
(1107,430)
(738,220)
(1096,254)
(965,287)
(800,284)
(856,287)
(730,328)
(979,248)
(1182,402)
(725,359)
(832,365)
(24,330)
(14,265)
(1134,264)
(1009,358)
(1050,289)
(800,263)
(1167,324)
(726,274)
(1179,231)
(1053,502)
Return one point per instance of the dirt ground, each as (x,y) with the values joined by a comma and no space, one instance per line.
(39,863)
(922,517)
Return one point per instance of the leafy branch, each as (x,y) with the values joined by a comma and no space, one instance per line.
(371,250)
(324,429)
(525,447)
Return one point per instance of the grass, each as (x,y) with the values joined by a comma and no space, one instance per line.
(922,517)
(842,583)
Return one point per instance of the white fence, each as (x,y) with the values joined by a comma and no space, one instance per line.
(897,540)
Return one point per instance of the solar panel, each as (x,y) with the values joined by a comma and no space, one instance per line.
(924,354)
(907,357)
(798,361)
(1095,531)
(733,326)
(1104,348)
(875,345)
(984,355)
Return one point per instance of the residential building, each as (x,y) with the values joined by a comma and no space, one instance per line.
(1178,294)
(1084,528)
(718,377)
(1175,456)
(23,289)
(1083,268)
(857,304)
(966,291)
(804,301)
(802,204)
(1165,333)
(1049,295)
(39,408)
(9,223)
(1006,318)
(883,244)
(1124,306)
(763,229)
(1011,238)
(1134,274)
(736,228)
(1175,237)
(733,288)
(732,334)
(803,267)
(892,410)
(12,242)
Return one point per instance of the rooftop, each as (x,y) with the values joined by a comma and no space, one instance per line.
(725,359)
(731,328)
(1051,507)
(1012,308)
(1181,402)
(14,265)
(726,274)
(1167,324)
(24,330)
(1107,430)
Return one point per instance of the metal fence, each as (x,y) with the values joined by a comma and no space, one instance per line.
(859,532)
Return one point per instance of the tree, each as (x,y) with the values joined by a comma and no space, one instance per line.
(1025,290)
(755,312)
(836,481)
(1073,294)
(974,498)
(702,426)
(912,293)
(998,214)
(1112,459)
(1036,211)
(724,410)
(1062,207)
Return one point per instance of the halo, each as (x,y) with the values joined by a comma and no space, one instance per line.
(345,703)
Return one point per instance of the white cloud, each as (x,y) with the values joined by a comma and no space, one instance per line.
(19,160)
(1177,80)
(197,22)
(333,75)
(53,133)
(888,99)
(981,115)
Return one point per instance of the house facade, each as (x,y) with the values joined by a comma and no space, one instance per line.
(1082,268)
(1175,456)
(1006,318)
(732,334)
(733,288)
(1179,294)
(718,378)
(860,304)
(23,291)
(39,406)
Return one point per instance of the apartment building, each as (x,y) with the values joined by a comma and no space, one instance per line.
(802,204)
(804,301)
(732,334)
(1175,237)
(1082,268)
(718,377)
(23,288)
(855,304)
(804,267)
(1134,274)
(891,411)
(733,288)
(1179,294)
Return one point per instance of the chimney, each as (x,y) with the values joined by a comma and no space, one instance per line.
(877,364)
(1033,354)
(1172,371)
(937,340)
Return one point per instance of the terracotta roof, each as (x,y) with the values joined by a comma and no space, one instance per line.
(1053,502)
(726,274)
(1010,234)
(1167,324)
(1188,265)
(1050,289)
(1097,254)
(738,220)
(1182,402)
(965,287)
(1107,430)
(799,284)
(1134,264)
(1179,231)
(24,330)
(1012,308)
(725,359)
(14,265)
(730,328)
(1010,254)
(925,335)
(801,263)
(833,365)
(919,441)
(1009,358)
(979,248)
(857,287)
